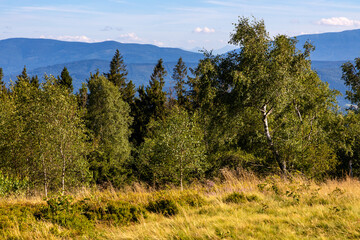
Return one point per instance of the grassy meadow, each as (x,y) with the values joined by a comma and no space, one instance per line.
(238,206)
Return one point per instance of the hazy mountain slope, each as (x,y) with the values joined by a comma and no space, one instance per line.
(36,53)
(337,46)
(330,72)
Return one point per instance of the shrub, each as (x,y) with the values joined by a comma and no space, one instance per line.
(61,211)
(235,197)
(253,198)
(164,206)
(116,212)
(193,200)
(83,214)
(12,185)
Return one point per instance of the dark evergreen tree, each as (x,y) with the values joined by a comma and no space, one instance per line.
(82,96)
(180,75)
(23,77)
(65,80)
(2,83)
(1,76)
(117,74)
(155,94)
(151,103)
(128,93)
(34,81)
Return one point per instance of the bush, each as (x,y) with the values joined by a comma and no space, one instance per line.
(11,185)
(116,212)
(61,210)
(253,198)
(193,200)
(83,214)
(235,197)
(164,206)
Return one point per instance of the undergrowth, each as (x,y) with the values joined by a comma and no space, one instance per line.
(240,207)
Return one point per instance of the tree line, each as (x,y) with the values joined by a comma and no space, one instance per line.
(260,108)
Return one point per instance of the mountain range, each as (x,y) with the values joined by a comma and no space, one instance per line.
(42,56)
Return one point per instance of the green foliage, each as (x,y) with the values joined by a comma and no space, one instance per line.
(12,185)
(44,136)
(277,79)
(82,96)
(65,80)
(23,77)
(235,197)
(176,151)
(180,75)
(351,76)
(109,120)
(192,199)
(128,93)
(84,214)
(115,212)
(164,206)
(117,74)
(150,106)
(61,211)
(261,108)
(266,101)
(1,77)
(34,81)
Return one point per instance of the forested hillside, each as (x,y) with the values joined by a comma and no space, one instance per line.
(262,109)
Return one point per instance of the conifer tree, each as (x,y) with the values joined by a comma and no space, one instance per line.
(34,81)
(65,80)
(128,93)
(155,94)
(179,75)
(1,76)
(150,106)
(2,83)
(82,96)
(23,77)
(117,74)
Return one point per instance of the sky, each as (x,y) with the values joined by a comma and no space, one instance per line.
(186,24)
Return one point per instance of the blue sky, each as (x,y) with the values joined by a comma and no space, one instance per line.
(186,24)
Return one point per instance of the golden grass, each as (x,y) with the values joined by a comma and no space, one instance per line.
(276,208)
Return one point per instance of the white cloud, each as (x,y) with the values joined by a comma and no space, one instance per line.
(70,38)
(204,30)
(130,37)
(339,21)
(158,43)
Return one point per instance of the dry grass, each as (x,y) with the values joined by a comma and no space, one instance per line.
(275,208)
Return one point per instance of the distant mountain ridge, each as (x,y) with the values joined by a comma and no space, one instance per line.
(35,53)
(50,56)
(333,46)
